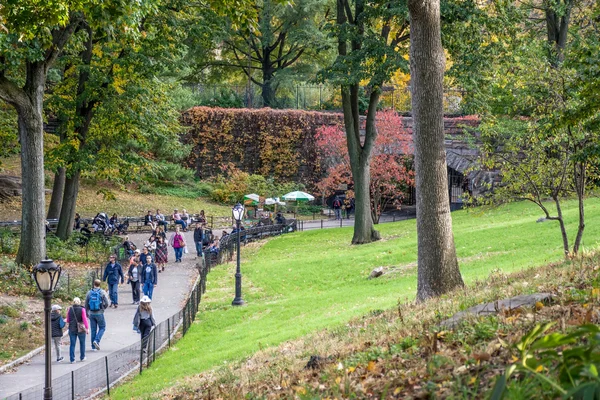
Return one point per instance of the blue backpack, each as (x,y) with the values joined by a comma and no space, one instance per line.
(95,300)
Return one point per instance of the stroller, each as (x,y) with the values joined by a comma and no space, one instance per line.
(100,223)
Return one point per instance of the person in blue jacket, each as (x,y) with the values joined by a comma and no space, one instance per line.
(112,272)
(149,277)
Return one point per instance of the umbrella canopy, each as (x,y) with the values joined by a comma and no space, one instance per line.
(298,196)
(252,196)
(276,200)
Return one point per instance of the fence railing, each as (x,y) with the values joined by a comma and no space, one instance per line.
(100,375)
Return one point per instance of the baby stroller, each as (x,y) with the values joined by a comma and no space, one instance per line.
(100,223)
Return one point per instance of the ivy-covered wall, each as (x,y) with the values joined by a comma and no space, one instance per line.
(273,143)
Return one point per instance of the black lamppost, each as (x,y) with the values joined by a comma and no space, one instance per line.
(46,275)
(238,214)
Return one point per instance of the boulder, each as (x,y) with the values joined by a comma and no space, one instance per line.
(377,272)
(10,186)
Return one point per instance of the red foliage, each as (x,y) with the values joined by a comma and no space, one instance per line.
(391,172)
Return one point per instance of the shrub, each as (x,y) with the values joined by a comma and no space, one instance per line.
(276,143)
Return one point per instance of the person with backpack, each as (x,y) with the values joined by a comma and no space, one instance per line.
(149,277)
(337,207)
(178,243)
(58,323)
(96,302)
(113,272)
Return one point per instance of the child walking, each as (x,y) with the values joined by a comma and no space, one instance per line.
(57,323)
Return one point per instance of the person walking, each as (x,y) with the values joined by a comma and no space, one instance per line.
(162,254)
(78,328)
(58,323)
(178,243)
(149,277)
(133,278)
(198,237)
(337,207)
(96,302)
(143,320)
(144,255)
(113,272)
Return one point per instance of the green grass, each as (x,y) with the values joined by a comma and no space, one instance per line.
(303,282)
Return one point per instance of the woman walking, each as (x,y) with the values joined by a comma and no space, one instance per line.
(178,243)
(162,254)
(75,317)
(133,276)
(144,320)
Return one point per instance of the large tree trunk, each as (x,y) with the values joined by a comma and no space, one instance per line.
(580,181)
(57,194)
(67,212)
(32,247)
(557,27)
(360,163)
(438,270)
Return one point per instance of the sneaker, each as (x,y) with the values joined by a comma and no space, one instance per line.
(72,362)
(83,359)
(60,359)
(93,349)
(116,305)
(96,345)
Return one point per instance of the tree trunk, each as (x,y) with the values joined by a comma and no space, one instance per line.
(563,228)
(580,179)
(67,211)
(360,163)
(57,194)
(438,270)
(32,248)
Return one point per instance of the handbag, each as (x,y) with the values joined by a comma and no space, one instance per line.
(80,325)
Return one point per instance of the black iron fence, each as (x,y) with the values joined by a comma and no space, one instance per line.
(100,375)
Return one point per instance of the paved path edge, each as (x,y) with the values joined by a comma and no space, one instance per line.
(22,359)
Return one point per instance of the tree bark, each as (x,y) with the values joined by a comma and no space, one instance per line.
(69,203)
(563,228)
(32,247)
(438,270)
(57,194)
(580,181)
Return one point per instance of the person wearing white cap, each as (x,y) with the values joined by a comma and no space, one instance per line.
(58,323)
(144,319)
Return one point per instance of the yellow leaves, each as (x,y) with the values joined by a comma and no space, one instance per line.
(514,359)
(338,380)
(397,391)
(371,366)
(299,390)
(472,380)
(596,293)
(351,369)
(539,305)
(540,368)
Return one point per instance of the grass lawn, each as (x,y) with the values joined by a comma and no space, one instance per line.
(303,282)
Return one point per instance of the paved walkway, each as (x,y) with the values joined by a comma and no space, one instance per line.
(168,298)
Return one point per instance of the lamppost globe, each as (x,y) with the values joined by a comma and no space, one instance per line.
(238,212)
(46,275)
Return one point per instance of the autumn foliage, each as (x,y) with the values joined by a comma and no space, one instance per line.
(273,143)
(391,162)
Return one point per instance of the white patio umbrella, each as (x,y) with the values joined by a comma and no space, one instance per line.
(252,196)
(298,196)
(275,200)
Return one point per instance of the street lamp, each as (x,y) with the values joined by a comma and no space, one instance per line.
(46,275)
(238,214)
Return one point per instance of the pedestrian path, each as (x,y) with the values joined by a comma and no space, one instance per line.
(168,298)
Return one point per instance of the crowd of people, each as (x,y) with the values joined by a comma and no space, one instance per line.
(145,263)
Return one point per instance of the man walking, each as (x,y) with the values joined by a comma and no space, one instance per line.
(337,207)
(96,302)
(198,237)
(112,272)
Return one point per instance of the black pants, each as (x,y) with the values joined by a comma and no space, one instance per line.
(145,329)
(135,290)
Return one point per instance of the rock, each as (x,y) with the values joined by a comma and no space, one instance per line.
(10,186)
(377,272)
(316,362)
(543,219)
(497,306)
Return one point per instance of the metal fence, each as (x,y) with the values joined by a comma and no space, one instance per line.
(100,375)
(310,97)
